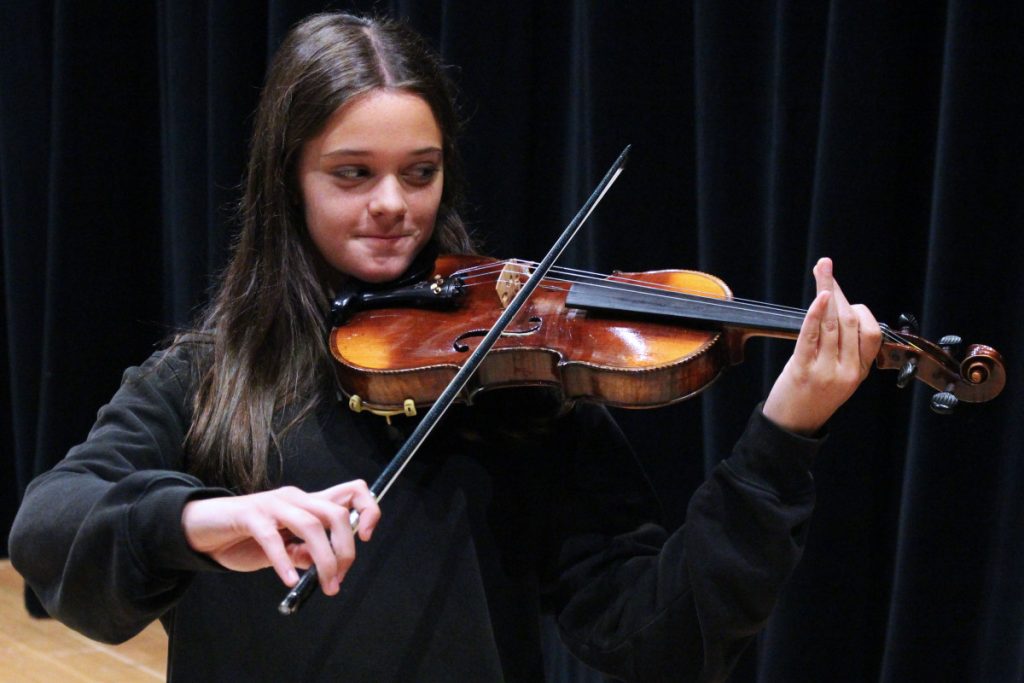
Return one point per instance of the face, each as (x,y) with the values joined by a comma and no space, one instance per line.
(371,184)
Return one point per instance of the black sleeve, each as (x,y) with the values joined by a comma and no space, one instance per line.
(641,604)
(99,537)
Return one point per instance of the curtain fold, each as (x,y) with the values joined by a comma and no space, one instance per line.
(765,135)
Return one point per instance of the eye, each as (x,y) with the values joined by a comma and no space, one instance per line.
(422,174)
(350,173)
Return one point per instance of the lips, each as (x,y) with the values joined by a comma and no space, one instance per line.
(387,243)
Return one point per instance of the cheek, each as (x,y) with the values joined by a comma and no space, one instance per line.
(329,218)
(424,207)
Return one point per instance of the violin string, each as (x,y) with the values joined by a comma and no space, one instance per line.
(655,288)
(733,304)
(659,290)
(574,275)
(603,279)
(668,292)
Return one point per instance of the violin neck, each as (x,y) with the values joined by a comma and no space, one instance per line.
(623,298)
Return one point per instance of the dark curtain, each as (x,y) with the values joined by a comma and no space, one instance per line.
(887,135)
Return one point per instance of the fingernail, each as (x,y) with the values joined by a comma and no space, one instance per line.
(293,575)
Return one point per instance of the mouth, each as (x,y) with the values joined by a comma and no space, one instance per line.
(386,244)
(385,238)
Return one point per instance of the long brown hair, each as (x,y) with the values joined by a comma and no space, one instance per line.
(266,322)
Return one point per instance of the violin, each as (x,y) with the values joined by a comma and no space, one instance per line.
(457,325)
(634,340)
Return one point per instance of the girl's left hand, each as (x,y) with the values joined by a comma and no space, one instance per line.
(834,352)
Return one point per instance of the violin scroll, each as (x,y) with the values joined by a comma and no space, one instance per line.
(978,376)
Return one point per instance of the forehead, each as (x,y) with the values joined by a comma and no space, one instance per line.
(381,118)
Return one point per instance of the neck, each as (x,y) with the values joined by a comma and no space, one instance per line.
(616,297)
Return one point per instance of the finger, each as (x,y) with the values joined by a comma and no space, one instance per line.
(343,542)
(331,516)
(849,330)
(824,281)
(365,504)
(357,496)
(823,274)
(336,518)
(311,530)
(806,349)
(368,518)
(299,554)
(268,537)
(848,326)
(870,338)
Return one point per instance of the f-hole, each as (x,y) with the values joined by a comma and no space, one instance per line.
(459,344)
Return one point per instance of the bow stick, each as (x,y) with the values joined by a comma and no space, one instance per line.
(297,595)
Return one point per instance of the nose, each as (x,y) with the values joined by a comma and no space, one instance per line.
(388,199)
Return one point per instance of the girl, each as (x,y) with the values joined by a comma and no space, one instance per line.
(210,462)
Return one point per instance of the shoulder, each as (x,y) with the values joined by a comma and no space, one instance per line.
(173,369)
(145,421)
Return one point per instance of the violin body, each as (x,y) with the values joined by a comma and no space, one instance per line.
(389,355)
(635,340)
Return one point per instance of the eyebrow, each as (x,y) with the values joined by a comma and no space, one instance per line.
(365,153)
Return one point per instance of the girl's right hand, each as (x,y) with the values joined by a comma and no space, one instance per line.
(284,529)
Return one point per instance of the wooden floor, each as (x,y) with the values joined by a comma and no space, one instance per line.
(45,651)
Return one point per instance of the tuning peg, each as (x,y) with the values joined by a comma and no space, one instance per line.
(944,402)
(907,323)
(952,344)
(907,373)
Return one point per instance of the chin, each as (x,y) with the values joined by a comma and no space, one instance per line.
(382,272)
(377,278)
(378,263)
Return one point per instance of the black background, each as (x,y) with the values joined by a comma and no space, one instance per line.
(765,134)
